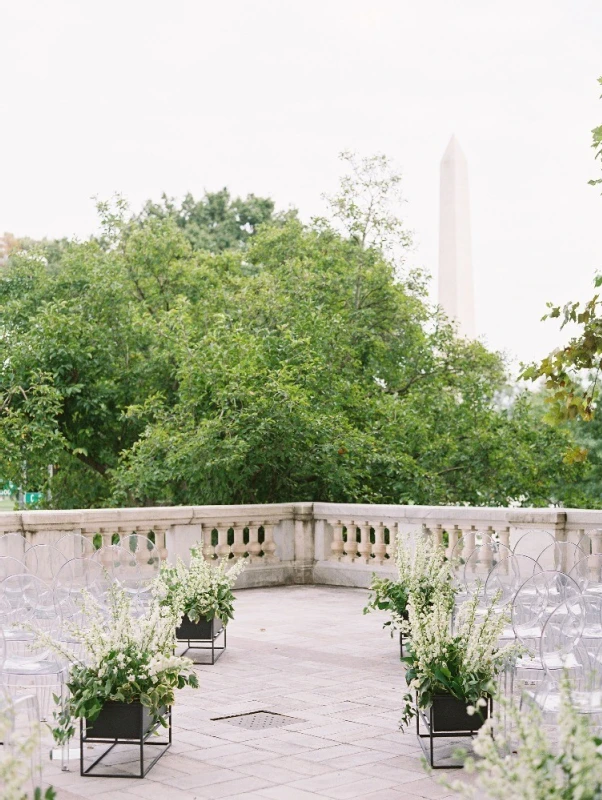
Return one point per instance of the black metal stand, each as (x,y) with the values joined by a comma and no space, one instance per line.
(212,646)
(140,741)
(431,735)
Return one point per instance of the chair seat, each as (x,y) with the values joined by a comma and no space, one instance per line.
(584,702)
(16,635)
(28,666)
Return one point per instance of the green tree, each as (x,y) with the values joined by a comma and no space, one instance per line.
(571,373)
(216,222)
(296,363)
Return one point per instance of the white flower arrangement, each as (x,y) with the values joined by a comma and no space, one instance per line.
(570,769)
(15,761)
(118,657)
(462,664)
(201,589)
(423,572)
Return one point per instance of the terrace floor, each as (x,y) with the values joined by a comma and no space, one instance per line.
(306,652)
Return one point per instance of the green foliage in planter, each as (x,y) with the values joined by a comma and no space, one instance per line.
(463,663)
(388,595)
(125,659)
(202,589)
(423,572)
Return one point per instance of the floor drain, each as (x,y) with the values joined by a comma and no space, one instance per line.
(258,720)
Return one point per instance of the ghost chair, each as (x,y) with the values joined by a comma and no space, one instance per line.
(13,545)
(148,560)
(11,566)
(588,573)
(561,557)
(539,596)
(122,567)
(480,564)
(74,545)
(44,561)
(533,542)
(34,667)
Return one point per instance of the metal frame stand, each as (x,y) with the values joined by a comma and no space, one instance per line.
(431,735)
(212,647)
(139,742)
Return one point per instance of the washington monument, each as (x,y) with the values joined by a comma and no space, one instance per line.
(456,293)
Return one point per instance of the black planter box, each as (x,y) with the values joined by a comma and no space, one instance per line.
(121,721)
(128,724)
(447,718)
(202,630)
(449,715)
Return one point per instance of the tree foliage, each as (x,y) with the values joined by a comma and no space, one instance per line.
(571,374)
(218,352)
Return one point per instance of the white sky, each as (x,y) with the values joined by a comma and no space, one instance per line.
(140,97)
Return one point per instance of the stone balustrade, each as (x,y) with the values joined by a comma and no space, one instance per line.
(325,543)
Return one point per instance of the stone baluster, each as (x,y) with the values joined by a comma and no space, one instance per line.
(239,548)
(161,543)
(379,548)
(596,539)
(469,538)
(393,528)
(337,547)
(453,536)
(504,536)
(269,545)
(437,534)
(107,537)
(364,547)
(223,548)
(254,546)
(208,547)
(351,546)
(88,534)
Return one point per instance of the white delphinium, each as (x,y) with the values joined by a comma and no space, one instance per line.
(120,658)
(422,572)
(202,589)
(462,663)
(536,770)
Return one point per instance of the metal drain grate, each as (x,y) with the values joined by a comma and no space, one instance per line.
(258,720)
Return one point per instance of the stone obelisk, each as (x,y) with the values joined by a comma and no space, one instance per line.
(456,293)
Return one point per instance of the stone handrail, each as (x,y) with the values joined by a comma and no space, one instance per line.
(328,543)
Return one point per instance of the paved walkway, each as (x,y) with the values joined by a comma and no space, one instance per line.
(306,652)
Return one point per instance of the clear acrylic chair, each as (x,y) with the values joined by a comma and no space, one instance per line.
(11,566)
(76,577)
(560,634)
(148,560)
(505,579)
(592,631)
(465,545)
(122,567)
(34,667)
(479,565)
(74,545)
(585,543)
(533,542)
(561,557)
(13,545)
(44,561)
(536,599)
(588,573)
(563,651)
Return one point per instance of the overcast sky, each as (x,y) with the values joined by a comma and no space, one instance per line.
(141,97)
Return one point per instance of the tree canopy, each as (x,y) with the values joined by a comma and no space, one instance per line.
(218,352)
